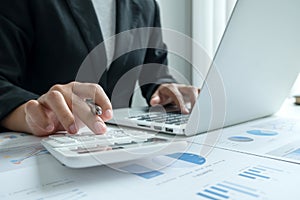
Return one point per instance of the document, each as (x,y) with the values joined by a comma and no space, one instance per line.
(12,139)
(273,137)
(189,175)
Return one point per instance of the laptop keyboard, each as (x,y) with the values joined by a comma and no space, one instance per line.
(166,118)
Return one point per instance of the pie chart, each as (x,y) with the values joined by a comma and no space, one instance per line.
(262,133)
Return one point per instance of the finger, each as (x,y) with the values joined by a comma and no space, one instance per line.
(159,98)
(176,97)
(155,99)
(55,101)
(191,92)
(37,117)
(166,100)
(94,91)
(82,110)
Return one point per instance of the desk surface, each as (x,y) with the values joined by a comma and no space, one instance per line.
(255,160)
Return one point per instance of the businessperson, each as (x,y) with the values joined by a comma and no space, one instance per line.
(43,45)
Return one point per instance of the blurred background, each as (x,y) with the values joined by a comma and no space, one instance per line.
(202,20)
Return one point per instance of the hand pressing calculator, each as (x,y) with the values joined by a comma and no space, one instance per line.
(87,149)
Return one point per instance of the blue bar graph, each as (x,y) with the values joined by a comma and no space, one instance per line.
(216,194)
(257,175)
(219,189)
(225,189)
(258,172)
(247,176)
(238,190)
(255,171)
(206,196)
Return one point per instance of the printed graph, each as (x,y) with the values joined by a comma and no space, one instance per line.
(280,125)
(295,154)
(13,140)
(188,157)
(21,157)
(32,152)
(226,190)
(240,139)
(238,186)
(176,160)
(262,132)
(12,136)
(290,151)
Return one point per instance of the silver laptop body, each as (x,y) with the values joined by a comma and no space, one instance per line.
(253,70)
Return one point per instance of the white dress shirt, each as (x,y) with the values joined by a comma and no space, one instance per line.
(106,14)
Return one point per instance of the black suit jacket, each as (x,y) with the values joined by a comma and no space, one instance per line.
(45,42)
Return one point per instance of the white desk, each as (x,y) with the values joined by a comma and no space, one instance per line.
(31,173)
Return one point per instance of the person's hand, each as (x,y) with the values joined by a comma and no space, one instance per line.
(63,108)
(177,94)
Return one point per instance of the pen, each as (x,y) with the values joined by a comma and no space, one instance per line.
(95,109)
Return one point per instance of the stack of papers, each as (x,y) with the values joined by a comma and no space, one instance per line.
(255,160)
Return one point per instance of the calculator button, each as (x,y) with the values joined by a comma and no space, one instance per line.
(62,139)
(85,139)
(102,137)
(124,140)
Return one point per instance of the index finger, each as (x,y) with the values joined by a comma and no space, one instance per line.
(95,92)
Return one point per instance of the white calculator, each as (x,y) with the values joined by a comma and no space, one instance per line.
(87,149)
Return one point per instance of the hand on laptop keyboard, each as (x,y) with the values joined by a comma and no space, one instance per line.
(176,94)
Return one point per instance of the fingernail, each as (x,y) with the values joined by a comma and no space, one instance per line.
(50,128)
(108,113)
(100,127)
(73,129)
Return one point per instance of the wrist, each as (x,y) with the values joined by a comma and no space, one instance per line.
(16,120)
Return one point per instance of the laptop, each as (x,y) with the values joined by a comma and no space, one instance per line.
(252,72)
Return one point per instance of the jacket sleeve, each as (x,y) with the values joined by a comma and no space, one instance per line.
(16,41)
(155,70)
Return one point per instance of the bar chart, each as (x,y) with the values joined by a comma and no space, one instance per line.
(259,177)
(256,173)
(228,190)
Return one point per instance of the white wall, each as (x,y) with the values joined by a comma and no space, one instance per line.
(210,18)
(175,15)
